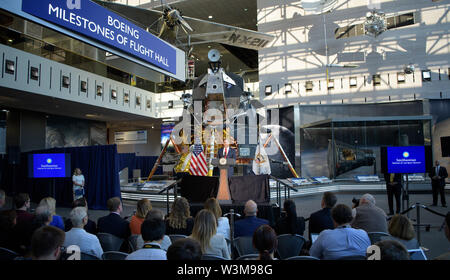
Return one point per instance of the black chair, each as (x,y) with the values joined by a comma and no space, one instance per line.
(109,242)
(6,254)
(248,257)
(132,242)
(303,258)
(289,245)
(352,258)
(209,257)
(175,237)
(88,257)
(113,255)
(377,236)
(244,245)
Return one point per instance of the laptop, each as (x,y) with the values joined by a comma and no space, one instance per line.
(417,255)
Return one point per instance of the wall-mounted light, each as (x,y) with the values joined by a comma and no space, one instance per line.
(10,67)
(113,94)
(34,73)
(401,77)
(170,104)
(149,104)
(268,90)
(126,97)
(99,90)
(65,81)
(138,101)
(376,79)
(287,88)
(83,86)
(330,83)
(426,75)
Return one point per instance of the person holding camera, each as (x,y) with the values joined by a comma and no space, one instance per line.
(393,188)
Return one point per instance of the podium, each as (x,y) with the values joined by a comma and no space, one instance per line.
(223,194)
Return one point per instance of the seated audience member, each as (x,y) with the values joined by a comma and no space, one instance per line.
(179,220)
(205,232)
(8,238)
(91,226)
(88,243)
(142,208)
(446,256)
(155,214)
(223,224)
(185,249)
(321,219)
(368,216)
(152,232)
(392,250)
(57,220)
(42,217)
(22,203)
(46,243)
(114,223)
(265,241)
(290,224)
(342,241)
(401,229)
(2,199)
(248,225)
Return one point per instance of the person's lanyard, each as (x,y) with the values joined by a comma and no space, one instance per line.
(151,246)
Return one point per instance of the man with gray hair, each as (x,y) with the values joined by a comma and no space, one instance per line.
(87,242)
(368,216)
(248,225)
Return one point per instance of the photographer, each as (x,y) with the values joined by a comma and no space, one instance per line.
(368,216)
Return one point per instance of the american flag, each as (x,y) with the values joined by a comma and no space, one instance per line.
(198,165)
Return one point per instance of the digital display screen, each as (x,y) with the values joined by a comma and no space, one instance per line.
(410,159)
(49,165)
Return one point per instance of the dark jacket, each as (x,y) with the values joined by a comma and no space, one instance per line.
(282,226)
(442,173)
(320,220)
(397,178)
(248,225)
(370,218)
(115,225)
(231,154)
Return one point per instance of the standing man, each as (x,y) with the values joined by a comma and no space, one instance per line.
(438,174)
(227,152)
(393,187)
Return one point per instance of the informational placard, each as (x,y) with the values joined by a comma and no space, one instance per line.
(322,180)
(48,165)
(96,22)
(299,181)
(131,137)
(367,178)
(408,159)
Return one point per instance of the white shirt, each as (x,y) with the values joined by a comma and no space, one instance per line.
(79,179)
(87,242)
(224,227)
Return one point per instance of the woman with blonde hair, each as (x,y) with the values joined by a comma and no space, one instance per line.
(142,208)
(179,220)
(205,232)
(223,225)
(50,203)
(401,228)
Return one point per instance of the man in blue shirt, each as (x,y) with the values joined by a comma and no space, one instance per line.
(248,225)
(343,240)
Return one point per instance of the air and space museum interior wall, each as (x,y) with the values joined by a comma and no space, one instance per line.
(440,110)
(152,147)
(294,65)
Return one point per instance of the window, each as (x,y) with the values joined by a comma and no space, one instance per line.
(401,77)
(113,94)
(9,67)
(149,104)
(138,101)
(83,86)
(268,90)
(65,81)
(426,75)
(399,21)
(309,85)
(353,82)
(99,90)
(34,73)
(330,83)
(349,31)
(126,97)
(170,104)
(376,79)
(287,88)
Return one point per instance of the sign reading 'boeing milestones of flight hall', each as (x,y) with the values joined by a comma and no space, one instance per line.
(96,22)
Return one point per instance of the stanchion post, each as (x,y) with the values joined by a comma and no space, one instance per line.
(418,222)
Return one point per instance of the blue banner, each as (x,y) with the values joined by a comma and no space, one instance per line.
(96,22)
(410,159)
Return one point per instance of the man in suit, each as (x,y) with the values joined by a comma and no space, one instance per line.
(114,223)
(369,217)
(393,188)
(321,219)
(248,225)
(438,174)
(227,152)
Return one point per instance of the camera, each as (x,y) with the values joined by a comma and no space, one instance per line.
(355,202)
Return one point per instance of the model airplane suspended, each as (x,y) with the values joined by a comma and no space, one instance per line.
(166,25)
